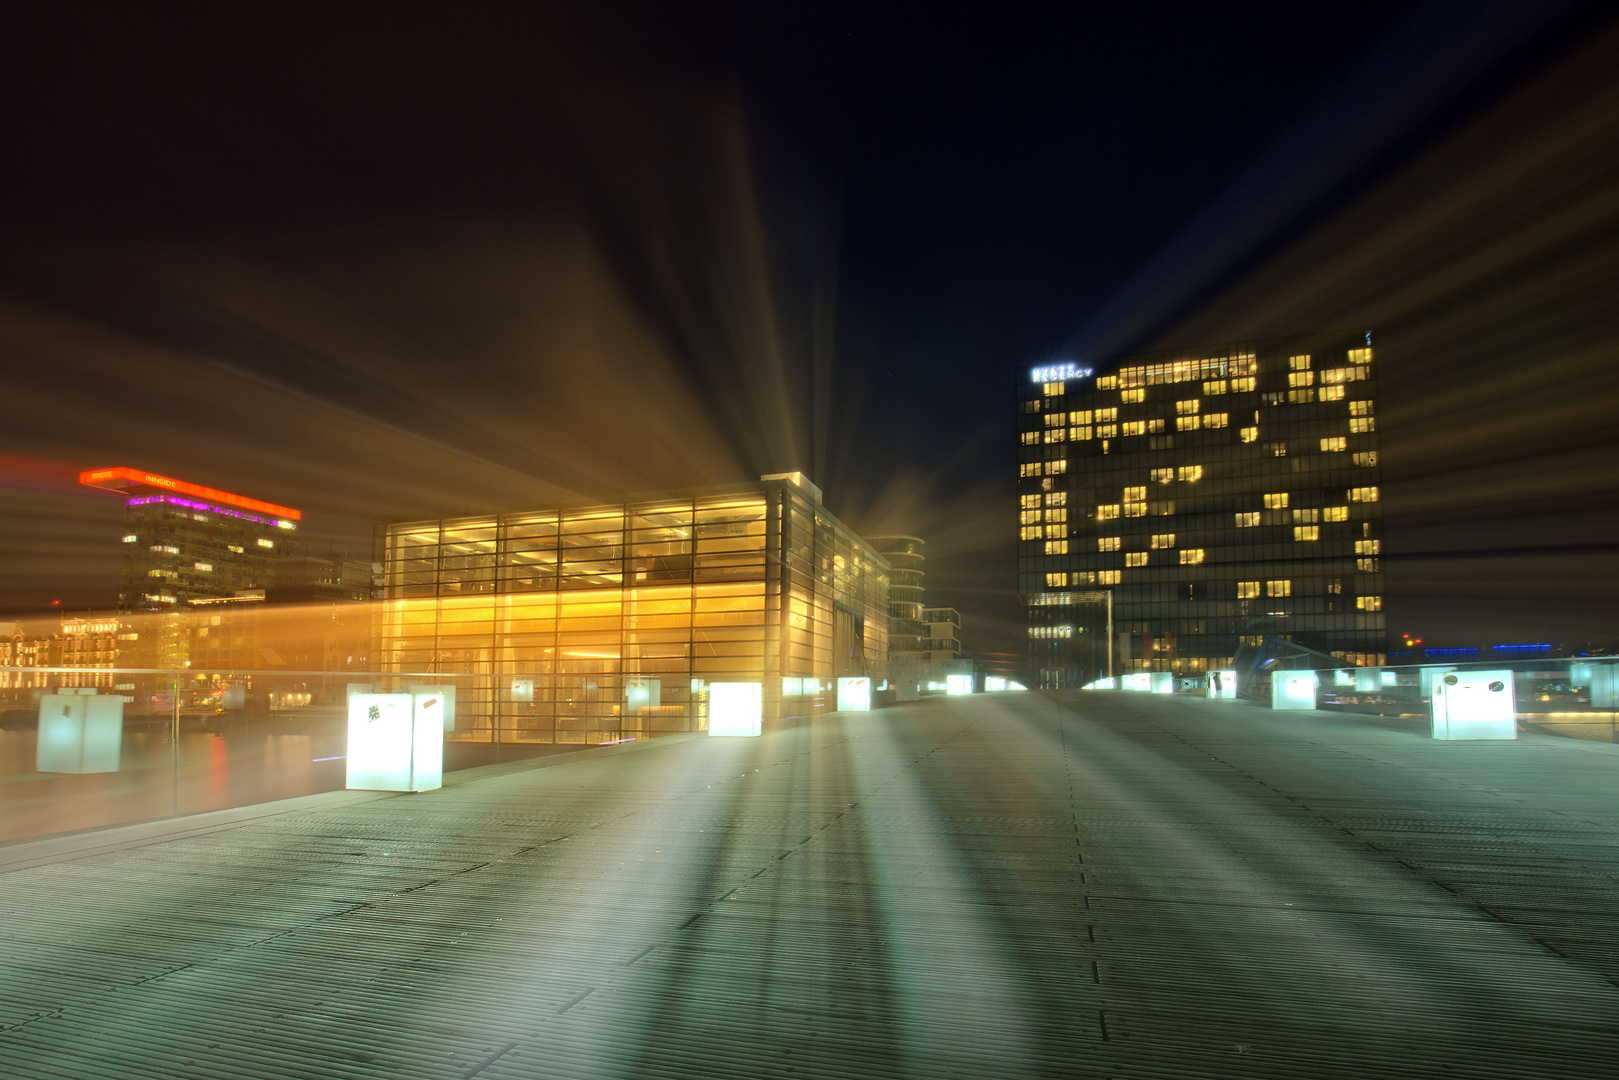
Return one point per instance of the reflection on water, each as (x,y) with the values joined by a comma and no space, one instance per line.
(237,765)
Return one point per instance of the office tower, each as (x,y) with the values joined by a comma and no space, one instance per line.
(182,543)
(1177,505)
(607,622)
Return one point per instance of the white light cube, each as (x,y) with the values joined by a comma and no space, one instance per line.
(1368,680)
(1137,680)
(1474,705)
(1428,676)
(992,683)
(396,741)
(1161,682)
(448,692)
(854,694)
(79,734)
(1223,685)
(735,708)
(642,693)
(1293,689)
(958,684)
(359,688)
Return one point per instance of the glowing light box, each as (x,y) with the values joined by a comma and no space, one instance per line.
(396,741)
(1293,689)
(1137,680)
(1161,682)
(1223,685)
(735,708)
(958,684)
(447,691)
(1474,705)
(1368,680)
(854,694)
(79,733)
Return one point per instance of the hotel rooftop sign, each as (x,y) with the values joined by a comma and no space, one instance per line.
(1059,372)
(136,481)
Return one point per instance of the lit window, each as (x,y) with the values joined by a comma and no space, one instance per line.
(1301,378)
(266,543)
(1107,543)
(1030,500)
(1188,423)
(1107,431)
(1359,425)
(1216,419)
(1336,513)
(1103,415)
(1032,532)
(1108,577)
(1191,556)
(1248,520)
(1163,476)
(1306,532)
(1366,566)
(1335,375)
(1028,517)
(1189,474)
(1104,513)
(1135,427)
(1250,434)
(1241,386)
(131,538)
(1360,356)
(1247,590)
(1218,386)
(1331,393)
(1155,425)
(1298,363)
(1056,581)
(1163,540)
(1189,408)
(1366,459)
(1368,547)
(1300,397)
(1276,449)
(1056,547)
(1057,435)
(204,567)
(1031,438)
(1363,494)
(1334,443)
(1335,587)
(1056,532)
(1107,382)
(1369,603)
(1051,389)
(1029,468)
(1133,397)
(1057,515)
(1360,408)
(1278,588)
(1080,434)
(1135,509)
(1134,494)
(1057,498)
(1055,467)
(1305,515)
(1276,502)
(1135,558)
(1054,419)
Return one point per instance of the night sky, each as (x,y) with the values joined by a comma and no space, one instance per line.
(394,260)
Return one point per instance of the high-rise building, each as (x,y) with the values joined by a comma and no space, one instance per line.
(184,542)
(1177,505)
(609,622)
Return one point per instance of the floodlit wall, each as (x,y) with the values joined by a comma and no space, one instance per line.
(746,583)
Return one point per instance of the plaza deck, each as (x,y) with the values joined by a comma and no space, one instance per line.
(1100,884)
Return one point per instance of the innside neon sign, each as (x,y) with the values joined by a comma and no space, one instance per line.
(123,479)
(1059,372)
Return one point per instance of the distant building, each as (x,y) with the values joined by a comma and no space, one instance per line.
(943,641)
(906,626)
(605,622)
(184,542)
(1212,496)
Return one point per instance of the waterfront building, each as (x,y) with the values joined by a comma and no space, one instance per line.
(606,622)
(906,628)
(1177,505)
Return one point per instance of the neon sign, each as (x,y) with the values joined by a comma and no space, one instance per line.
(1059,372)
(123,479)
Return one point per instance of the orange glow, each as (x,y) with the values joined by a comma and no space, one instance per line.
(123,479)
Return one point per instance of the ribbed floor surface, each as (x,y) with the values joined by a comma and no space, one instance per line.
(1108,885)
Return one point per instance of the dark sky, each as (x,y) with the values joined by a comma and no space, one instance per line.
(403,259)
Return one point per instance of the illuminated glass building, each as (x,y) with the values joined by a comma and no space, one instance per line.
(1197,499)
(182,543)
(906,628)
(598,623)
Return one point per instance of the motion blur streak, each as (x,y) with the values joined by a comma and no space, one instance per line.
(1488,268)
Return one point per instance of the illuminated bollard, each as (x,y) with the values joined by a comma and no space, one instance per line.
(1474,705)
(79,733)
(854,694)
(735,708)
(396,741)
(1293,689)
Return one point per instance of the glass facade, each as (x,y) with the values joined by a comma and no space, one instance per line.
(1215,496)
(598,623)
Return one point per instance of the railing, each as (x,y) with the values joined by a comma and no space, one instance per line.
(1577,697)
